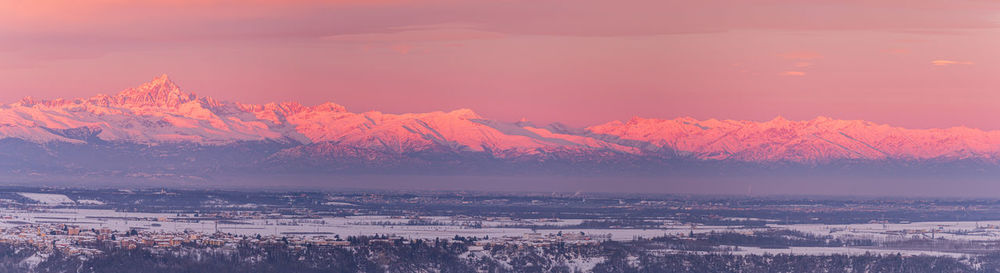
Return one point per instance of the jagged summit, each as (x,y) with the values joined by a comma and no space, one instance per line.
(329,107)
(162,79)
(159,112)
(160,92)
(465,113)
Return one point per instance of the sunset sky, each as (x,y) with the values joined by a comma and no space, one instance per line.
(911,63)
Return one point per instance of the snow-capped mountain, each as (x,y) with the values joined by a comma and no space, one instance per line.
(159,112)
(158,129)
(156,112)
(812,141)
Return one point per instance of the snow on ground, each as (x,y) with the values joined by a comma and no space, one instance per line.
(981,230)
(821,251)
(344,226)
(34,260)
(584,264)
(446,227)
(47,198)
(89,202)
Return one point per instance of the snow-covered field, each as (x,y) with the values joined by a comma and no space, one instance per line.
(446,227)
(841,250)
(983,230)
(343,226)
(47,198)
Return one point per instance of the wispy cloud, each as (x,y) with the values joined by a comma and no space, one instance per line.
(949,62)
(433,33)
(793,73)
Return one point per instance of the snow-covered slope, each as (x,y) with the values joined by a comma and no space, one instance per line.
(811,141)
(156,112)
(159,112)
(157,125)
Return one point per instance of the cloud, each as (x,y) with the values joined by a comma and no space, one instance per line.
(948,63)
(803,64)
(541,17)
(441,33)
(793,73)
(99,27)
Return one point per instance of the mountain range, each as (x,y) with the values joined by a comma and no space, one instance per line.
(158,130)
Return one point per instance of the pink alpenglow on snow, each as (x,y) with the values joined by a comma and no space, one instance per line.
(918,64)
(160,112)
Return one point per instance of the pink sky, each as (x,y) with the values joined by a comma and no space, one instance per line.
(913,63)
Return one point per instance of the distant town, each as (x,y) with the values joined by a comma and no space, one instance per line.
(55,229)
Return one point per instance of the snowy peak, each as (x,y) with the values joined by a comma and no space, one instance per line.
(274,108)
(465,113)
(329,107)
(160,92)
(159,112)
(30,101)
(812,141)
(292,108)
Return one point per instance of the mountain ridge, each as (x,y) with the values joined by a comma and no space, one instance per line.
(207,135)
